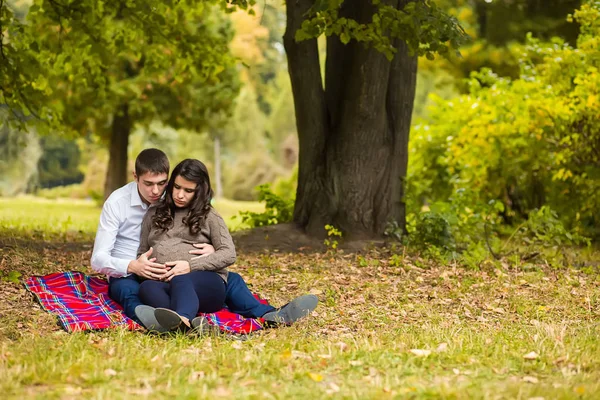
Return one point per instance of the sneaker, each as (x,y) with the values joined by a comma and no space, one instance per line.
(146,316)
(298,308)
(169,319)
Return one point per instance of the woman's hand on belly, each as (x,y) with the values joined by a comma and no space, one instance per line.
(176,268)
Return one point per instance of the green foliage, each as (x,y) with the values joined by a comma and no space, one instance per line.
(59,164)
(19,155)
(543,228)
(333,234)
(454,226)
(278,210)
(166,61)
(422,25)
(528,142)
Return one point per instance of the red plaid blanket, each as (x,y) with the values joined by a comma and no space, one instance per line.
(81,303)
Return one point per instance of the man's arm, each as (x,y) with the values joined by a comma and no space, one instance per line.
(102,261)
(220,238)
(143,266)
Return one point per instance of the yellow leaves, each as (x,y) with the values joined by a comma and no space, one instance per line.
(562,175)
(245,43)
(315,377)
(580,390)
(592,101)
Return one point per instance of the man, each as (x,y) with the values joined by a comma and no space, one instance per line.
(117,242)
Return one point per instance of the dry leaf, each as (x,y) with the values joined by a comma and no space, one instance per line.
(420,352)
(356,363)
(237,345)
(222,391)
(530,379)
(442,347)
(531,356)
(315,377)
(335,388)
(110,372)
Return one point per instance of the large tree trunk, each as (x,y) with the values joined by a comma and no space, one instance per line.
(116,173)
(353,134)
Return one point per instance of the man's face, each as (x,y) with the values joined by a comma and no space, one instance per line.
(151,186)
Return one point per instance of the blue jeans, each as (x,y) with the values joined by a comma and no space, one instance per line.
(125,291)
(187,294)
(240,300)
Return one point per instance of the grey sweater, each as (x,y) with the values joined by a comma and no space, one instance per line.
(175,243)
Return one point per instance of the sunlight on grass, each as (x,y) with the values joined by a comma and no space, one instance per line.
(70,219)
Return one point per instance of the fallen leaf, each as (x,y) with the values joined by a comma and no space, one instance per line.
(237,345)
(531,356)
(356,363)
(334,388)
(315,377)
(420,352)
(442,347)
(222,391)
(530,379)
(110,372)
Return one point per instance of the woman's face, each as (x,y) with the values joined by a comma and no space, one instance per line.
(183,192)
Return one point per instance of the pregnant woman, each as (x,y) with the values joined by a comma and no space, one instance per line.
(185,216)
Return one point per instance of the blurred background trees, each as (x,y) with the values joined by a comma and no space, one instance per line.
(511,120)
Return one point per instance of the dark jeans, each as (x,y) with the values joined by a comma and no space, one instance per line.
(125,292)
(241,301)
(238,297)
(188,294)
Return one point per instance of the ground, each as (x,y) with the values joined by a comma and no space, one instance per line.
(390,324)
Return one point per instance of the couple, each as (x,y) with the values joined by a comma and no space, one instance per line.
(183,249)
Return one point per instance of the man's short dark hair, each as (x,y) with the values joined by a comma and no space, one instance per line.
(151,160)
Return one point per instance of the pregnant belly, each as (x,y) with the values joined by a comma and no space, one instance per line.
(172,250)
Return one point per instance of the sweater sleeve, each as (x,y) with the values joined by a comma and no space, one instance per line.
(221,240)
(145,233)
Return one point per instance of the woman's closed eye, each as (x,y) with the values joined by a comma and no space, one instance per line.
(186,190)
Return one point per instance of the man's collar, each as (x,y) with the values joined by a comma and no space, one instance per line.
(136,200)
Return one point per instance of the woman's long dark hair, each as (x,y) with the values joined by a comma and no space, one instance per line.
(193,171)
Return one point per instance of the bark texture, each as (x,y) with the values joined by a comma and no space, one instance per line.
(116,174)
(353,133)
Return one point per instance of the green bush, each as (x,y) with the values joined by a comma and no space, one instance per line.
(529,142)
(277,209)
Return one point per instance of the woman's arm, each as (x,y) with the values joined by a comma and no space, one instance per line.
(221,240)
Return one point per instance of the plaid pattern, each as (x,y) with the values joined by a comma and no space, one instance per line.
(81,303)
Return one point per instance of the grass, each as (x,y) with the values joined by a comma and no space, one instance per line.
(77,220)
(389,325)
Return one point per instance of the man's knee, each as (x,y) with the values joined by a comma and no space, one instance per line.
(123,288)
(234,280)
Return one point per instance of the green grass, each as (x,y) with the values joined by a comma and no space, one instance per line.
(69,219)
(375,310)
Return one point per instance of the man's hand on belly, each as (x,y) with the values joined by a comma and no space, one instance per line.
(145,267)
(202,250)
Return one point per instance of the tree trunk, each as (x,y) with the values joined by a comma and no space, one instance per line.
(353,134)
(116,173)
(218,179)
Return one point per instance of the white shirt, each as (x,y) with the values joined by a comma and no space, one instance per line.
(118,235)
